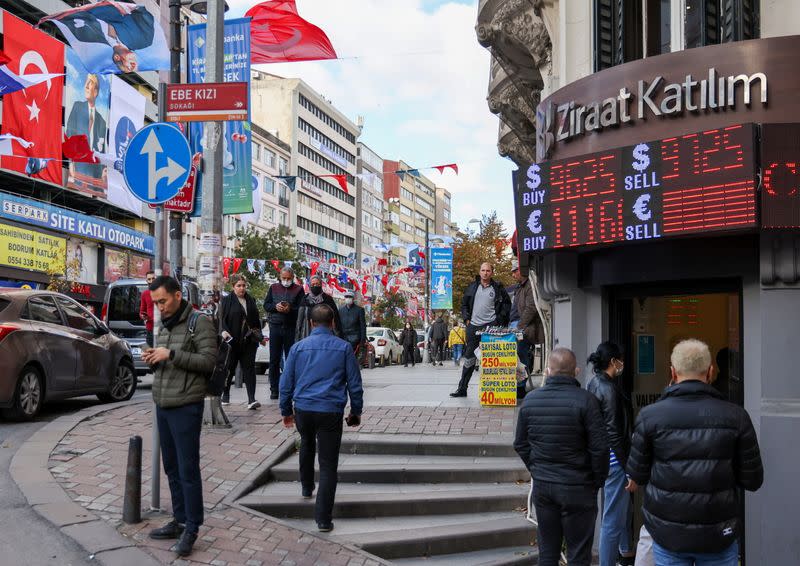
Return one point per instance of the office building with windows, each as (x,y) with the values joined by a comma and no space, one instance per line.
(369,206)
(411,201)
(323,143)
(444,220)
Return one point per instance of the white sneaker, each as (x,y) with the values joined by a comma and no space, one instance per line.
(254,405)
(224,403)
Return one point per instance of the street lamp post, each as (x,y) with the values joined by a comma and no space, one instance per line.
(175,49)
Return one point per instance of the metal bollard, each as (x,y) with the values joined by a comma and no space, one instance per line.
(132,503)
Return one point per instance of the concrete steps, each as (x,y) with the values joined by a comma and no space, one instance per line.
(416,499)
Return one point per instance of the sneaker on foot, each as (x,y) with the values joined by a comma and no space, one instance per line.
(254,405)
(173,529)
(325,527)
(185,544)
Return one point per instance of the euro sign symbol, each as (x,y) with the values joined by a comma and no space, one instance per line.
(641,208)
(640,155)
(534,224)
(534,180)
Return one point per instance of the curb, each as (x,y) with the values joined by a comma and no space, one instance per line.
(29,470)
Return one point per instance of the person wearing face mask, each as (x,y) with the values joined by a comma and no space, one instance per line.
(240,324)
(616,408)
(315,297)
(354,321)
(408,340)
(282,305)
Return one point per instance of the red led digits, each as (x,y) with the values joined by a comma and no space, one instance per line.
(587,178)
(786,172)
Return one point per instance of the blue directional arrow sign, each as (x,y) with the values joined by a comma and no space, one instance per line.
(157,163)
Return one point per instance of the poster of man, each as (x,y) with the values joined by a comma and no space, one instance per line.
(88,97)
(114,37)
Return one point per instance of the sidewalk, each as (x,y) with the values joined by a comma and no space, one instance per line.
(89,460)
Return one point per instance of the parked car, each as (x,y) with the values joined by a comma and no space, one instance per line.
(420,346)
(262,354)
(387,347)
(121,314)
(53,348)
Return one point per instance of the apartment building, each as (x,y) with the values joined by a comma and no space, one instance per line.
(411,209)
(369,205)
(444,222)
(322,142)
(271,158)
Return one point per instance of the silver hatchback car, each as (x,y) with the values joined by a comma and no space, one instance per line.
(53,348)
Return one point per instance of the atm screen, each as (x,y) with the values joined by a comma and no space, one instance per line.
(780,183)
(701,182)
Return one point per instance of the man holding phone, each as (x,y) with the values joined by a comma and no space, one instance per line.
(282,303)
(321,372)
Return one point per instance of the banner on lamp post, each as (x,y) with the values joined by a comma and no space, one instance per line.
(441,291)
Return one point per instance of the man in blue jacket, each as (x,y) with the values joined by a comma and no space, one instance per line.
(319,374)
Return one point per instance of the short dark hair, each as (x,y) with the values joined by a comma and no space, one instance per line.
(322,315)
(170,284)
(151,272)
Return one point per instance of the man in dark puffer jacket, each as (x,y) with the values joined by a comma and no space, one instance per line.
(562,439)
(694,451)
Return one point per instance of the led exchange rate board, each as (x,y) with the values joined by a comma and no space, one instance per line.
(701,182)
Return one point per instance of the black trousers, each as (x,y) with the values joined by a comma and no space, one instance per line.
(179,431)
(409,355)
(565,512)
(281,339)
(438,351)
(149,338)
(470,361)
(320,432)
(243,354)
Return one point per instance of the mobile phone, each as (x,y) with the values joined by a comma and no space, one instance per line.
(228,339)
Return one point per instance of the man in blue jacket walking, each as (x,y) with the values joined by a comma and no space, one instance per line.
(319,374)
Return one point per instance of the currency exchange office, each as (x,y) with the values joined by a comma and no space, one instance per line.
(665,204)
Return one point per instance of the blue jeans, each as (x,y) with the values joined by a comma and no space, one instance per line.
(728,557)
(179,431)
(614,535)
(458,349)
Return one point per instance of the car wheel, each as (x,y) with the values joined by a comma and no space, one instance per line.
(122,386)
(28,396)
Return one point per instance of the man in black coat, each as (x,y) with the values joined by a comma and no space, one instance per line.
(281,304)
(353,320)
(485,304)
(694,451)
(439,338)
(562,439)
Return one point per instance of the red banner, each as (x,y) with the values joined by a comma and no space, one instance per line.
(207,102)
(34,114)
(184,200)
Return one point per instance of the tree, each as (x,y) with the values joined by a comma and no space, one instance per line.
(275,243)
(385,310)
(471,249)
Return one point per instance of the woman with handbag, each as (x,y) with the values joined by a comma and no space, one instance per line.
(240,326)
(315,297)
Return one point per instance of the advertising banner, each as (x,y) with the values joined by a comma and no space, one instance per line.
(82,262)
(34,251)
(498,387)
(139,265)
(236,151)
(62,220)
(126,118)
(86,105)
(441,278)
(116,265)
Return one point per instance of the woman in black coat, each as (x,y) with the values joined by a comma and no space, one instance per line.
(314,298)
(408,340)
(240,324)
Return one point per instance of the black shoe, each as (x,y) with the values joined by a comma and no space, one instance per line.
(325,527)
(273,396)
(173,529)
(458,394)
(185,544)
(308,494)
(405,365)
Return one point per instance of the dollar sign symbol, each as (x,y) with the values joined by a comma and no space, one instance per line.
(534,180)
(640,155)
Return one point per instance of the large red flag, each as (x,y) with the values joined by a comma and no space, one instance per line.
(278,34)
(34,114)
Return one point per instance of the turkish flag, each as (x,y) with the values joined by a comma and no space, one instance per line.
(34,114)
(76,148)
(237,263)
(278,34)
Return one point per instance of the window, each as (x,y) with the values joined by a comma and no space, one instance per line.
(268,214)
(446,199)
(283,166)
(365,218)
(283,197)
(77,317)
(334,147)
(326,210)
(268,158)
(324,185)
(376,223)
(446,214)
(405,210)
(324,231)
(406,194)
(419,232)
(256,151)
(43,309)
(269,185)
(423,203)
(323,162)
(284,218)
(326,119)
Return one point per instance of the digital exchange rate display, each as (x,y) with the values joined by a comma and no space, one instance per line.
(701,182)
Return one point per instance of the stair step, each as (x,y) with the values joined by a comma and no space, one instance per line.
(415,469)
(465,533)
(503,556)
(476,499)
(427,445)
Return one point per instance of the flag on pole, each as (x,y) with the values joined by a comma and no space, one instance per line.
(278,34)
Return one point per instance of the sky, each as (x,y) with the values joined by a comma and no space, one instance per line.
(416,73)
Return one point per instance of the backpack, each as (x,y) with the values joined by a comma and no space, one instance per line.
(221,372)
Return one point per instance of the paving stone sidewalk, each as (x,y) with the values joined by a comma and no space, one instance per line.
(90,461)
